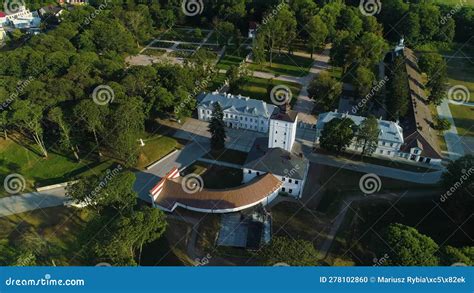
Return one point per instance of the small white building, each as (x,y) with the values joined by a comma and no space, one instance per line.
(282,133)
(390,135)
(289,168)
(239,112)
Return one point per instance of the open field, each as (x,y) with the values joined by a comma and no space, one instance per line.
(155,149)
(52,231)
(285,64)
(57,168)
(259,88)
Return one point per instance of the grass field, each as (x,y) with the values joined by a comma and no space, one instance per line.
(285,64)
(257,88)
(231,57)
(52,230)
(57,168)
(155,149)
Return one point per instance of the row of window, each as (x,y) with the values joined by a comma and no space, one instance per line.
(283,178)
(290,191)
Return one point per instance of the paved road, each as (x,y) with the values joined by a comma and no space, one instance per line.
(416,177)
(453,141)
(145,181)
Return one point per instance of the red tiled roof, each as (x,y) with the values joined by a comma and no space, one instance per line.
(207,199)
(2,14)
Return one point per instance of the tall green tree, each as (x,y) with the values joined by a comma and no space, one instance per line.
(56,115)
(317,33)
(217,128)
(325,90)
(397,90)
(410,247)
(283,250)
(368,135)
(29,117)
(337,134)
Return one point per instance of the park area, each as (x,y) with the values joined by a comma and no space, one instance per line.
(20,156)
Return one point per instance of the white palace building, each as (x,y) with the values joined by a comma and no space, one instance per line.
(239,112)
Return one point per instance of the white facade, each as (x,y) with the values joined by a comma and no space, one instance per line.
(239,112)
(282,134)
(291,186)
(390,136)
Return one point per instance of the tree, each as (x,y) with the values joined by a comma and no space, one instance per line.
(291,252)
(397,90)
(337,134)
(127,124)
(452,255)
(325,90)
(318,32)
(364,81)
(430,63)
(224,31)
(410,248)
(458,183)
(368,135)
(29,116)
(56,115)
(92,116)
(442,124)
(258,49)
(437,84)
(120,241)
(217,128)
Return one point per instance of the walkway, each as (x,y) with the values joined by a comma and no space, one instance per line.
(383,171)
(453,141)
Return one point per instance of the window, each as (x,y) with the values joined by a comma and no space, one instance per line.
(250,171)
(381,151)
(290,180)
(258,173)
(296,182)
(389,152)
(241,118)
(290,191)
(276,132)
(283,189)
(283,179)
(275,140)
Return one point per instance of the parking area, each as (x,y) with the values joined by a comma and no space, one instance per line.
(237,139)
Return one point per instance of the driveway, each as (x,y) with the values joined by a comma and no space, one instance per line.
(453,141)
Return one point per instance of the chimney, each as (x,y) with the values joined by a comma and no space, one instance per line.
(285,108)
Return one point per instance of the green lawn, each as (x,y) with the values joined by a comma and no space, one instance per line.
(181,34)
(39,171)
(232,56)
(155,149)
(54,229)
(285,64)
(257,88)
(463,118)
(216,177)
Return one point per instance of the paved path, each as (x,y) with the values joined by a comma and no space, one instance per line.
(383,171)
(453,141)
(145,181)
